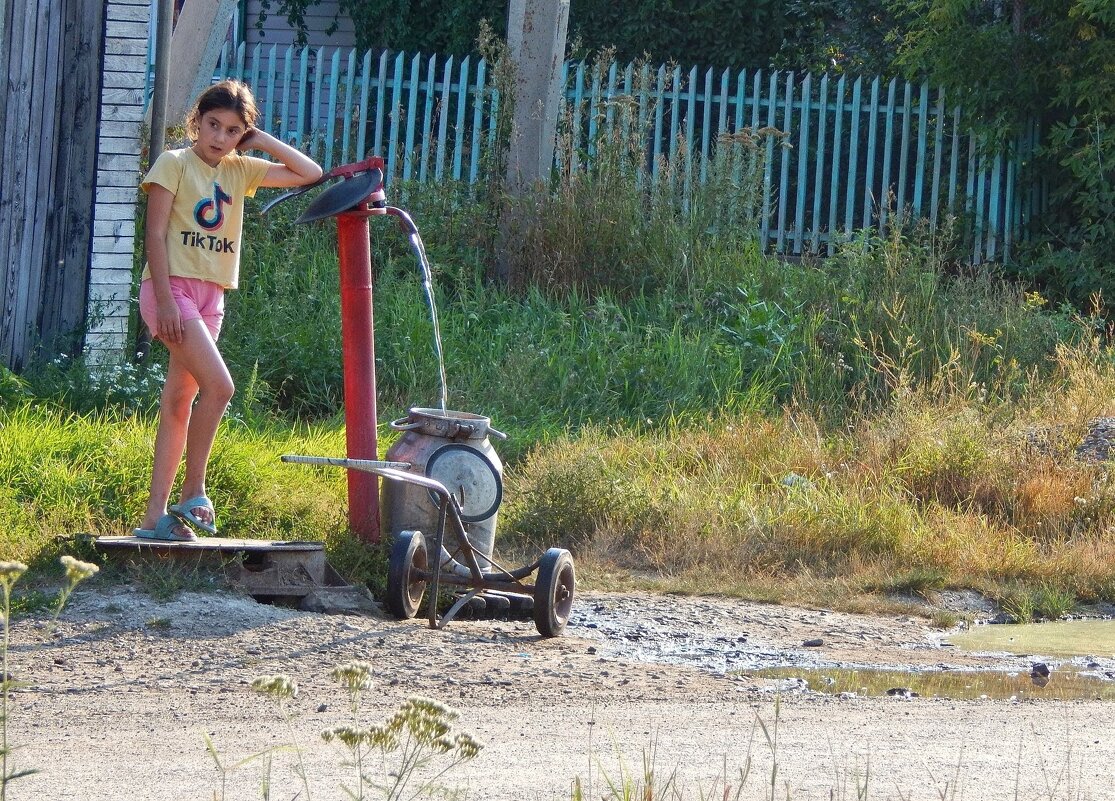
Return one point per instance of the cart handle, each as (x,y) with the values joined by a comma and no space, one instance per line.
(396,471)
(365,465)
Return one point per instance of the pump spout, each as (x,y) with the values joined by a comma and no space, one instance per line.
(405,221)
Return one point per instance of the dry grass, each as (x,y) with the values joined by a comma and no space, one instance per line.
(932,492)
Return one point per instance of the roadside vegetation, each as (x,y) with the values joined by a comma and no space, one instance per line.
(685,412)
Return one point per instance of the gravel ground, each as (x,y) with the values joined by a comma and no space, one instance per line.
(119,698)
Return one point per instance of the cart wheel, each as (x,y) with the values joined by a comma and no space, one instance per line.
(406,570)
(553,592)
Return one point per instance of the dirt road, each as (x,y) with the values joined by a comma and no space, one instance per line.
(119,699)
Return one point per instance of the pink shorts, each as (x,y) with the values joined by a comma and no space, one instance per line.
(196,299)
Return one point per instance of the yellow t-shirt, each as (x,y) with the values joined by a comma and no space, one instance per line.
(207,217)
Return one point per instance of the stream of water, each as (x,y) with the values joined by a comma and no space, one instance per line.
(428,286)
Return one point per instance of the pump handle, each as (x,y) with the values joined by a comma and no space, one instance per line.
(345,171)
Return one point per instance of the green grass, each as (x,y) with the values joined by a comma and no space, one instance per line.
(711,507)
(65,477)
(684,412)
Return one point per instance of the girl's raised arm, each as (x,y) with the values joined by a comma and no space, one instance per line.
(295,167)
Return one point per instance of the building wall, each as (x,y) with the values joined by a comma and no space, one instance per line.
(319,18)
(118,174)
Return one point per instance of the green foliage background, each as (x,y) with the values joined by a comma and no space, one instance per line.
(797,34)
(1007,63)
(1047,60)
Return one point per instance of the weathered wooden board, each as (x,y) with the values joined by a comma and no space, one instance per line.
(52,54)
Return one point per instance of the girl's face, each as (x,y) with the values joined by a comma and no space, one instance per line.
(219,130)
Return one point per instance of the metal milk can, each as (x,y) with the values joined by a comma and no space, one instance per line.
(453,448)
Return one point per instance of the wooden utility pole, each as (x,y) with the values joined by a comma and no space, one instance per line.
(536,32)
(164,25)
(200,32)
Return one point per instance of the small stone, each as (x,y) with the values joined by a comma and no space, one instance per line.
(795,480)
(322,707)
(814,643)
(591,649)
(1039,674)
(353,600)
(901,692)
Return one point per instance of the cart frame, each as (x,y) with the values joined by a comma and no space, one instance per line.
(409,568)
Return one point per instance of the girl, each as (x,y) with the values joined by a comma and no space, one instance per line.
(195,209)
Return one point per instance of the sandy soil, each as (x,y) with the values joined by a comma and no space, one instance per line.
(119,698)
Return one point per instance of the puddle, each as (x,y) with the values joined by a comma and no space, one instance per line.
(1063,685)
(1062,638)
(859,654)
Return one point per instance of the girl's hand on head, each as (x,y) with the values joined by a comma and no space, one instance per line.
(246,140)
(168,320)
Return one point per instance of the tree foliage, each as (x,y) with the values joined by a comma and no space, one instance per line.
(432,26)
(705,32)
(1010,62)
(837,36)
(817,35)
(831,34)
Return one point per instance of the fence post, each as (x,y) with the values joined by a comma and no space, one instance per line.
(819,175)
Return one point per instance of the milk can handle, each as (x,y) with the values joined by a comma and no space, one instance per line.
(495,432)
(402,425)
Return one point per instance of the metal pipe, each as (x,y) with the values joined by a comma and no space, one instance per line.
(156,137)
(452,566)
(358,341)
(164,24)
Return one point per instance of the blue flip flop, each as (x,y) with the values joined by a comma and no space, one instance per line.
(184,511)
(167,528)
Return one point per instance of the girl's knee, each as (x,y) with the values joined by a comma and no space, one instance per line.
(219,391)
(176,402)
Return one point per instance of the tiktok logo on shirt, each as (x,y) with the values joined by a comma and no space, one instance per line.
(209,212)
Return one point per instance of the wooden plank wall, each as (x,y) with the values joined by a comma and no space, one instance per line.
(117,179)
(65,288)
(50,59)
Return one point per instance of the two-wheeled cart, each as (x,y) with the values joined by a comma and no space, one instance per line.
(416,563)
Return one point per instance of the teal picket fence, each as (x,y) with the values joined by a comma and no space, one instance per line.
(855,151)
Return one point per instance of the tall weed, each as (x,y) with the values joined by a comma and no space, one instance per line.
(629,225)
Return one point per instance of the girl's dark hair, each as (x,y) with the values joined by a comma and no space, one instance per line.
(228,94)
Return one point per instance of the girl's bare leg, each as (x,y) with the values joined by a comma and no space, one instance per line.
(196,369)
(175,406)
